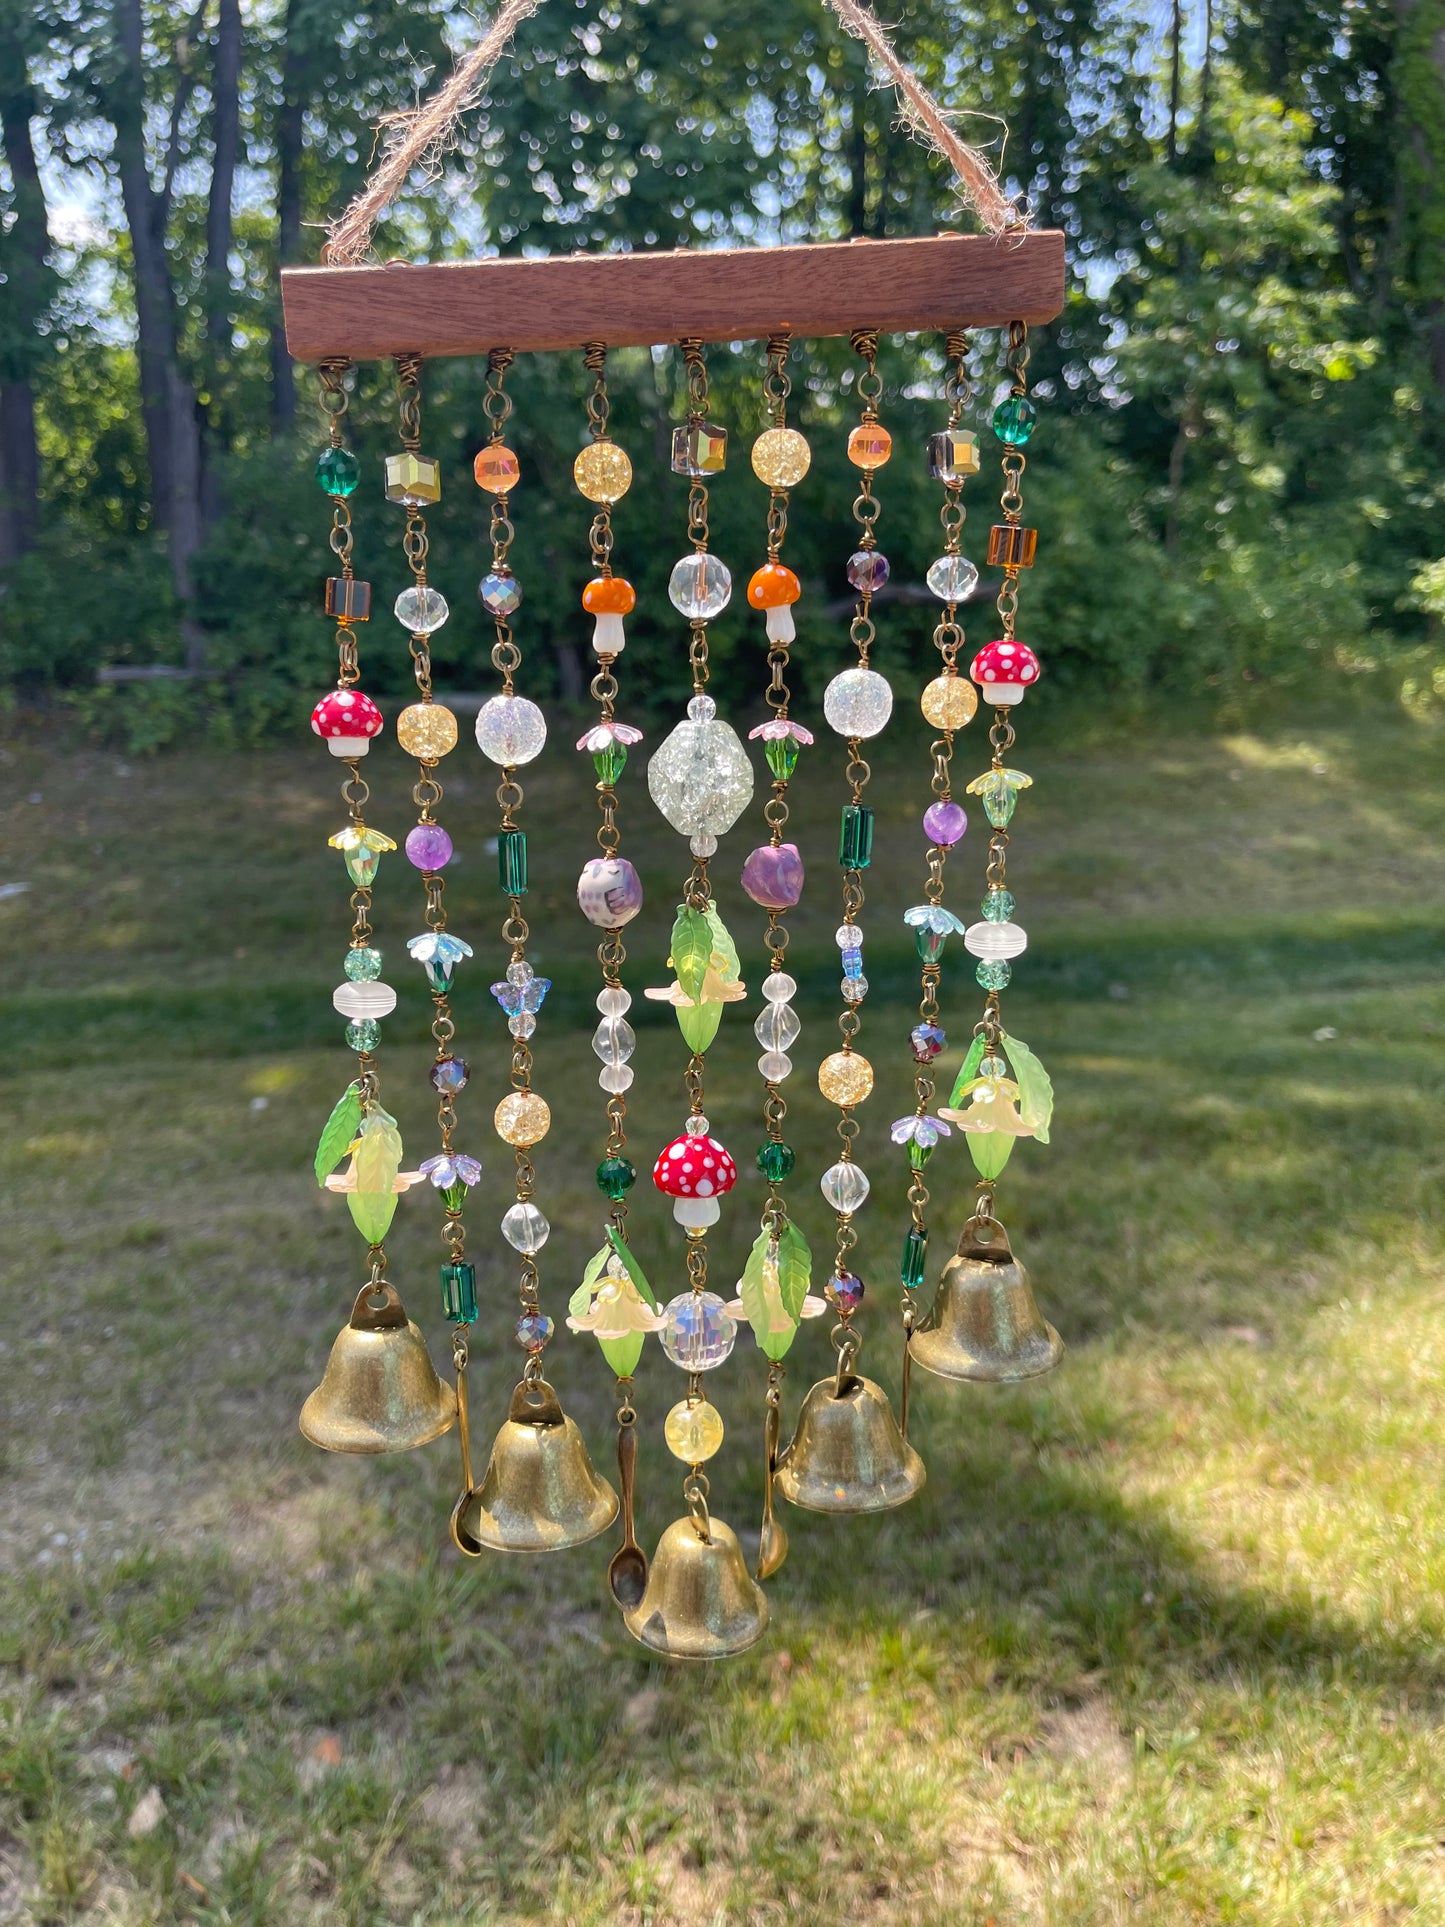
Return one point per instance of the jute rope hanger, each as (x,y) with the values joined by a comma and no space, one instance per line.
(421,136)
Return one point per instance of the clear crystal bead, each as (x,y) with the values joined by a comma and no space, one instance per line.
(524,1024)
(420,609)
(614,1001)
(511,730)
(701,778)
(700,587)
(524,1228)
(615,1078)
(701,709)
(848,936)
(854,989)
(775,1065)
(519,971)
(777,1026)
(778,987)
(698,1334)
(858,703)
(952,578)
(614,1040)
(844,1185)
(697,1126)
(704,845)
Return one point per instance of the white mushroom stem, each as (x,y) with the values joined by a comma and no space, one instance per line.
(1005,694)
(348,746)
(696,1213)
(607,636)
(780,624)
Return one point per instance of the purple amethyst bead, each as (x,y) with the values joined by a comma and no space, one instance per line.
(845,1288)
(450,1074)
(773,875)
(429,847)
(944,823)
(867,570)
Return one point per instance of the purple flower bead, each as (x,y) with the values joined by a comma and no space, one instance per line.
(773,875)
(867,570)
(429,847)
(944,823)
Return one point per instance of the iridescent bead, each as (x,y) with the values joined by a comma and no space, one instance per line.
(845,1288)
(776,1160)
(496,469)
(698,1335)
(781,457)
(413,480)
(927,1040)
(700,586)
(858,703)
(511,730)
(844,1185)
(997,905)
(693,1430)
(1013,420)
(699,448)
(363,964)
(867,570)
(534,1328)
(428,847)
(852,961)
(522,1119)
(944,823)
(953,454)
(616,1177)
(500,592)
(949,702)
(993,976)
(427,731)
(952,578)
(337,471)
(992,1066)
(525,1229)
(845,1078)
(421,609)
(363,1033)
(450,1074)
(602,472)
(869,445)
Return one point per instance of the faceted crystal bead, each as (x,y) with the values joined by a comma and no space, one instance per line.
(363,964)
(944,823)
(609,763)
(496,469)
(774,1066)
(700,778)
(700,586)
(534,1328)
(844,1185)
(616,1078)
(413,480)
(450,1074)
(776,1160)
(952,578)
(845,1077)
(993,976)
(782,756)
(337,471)
(510,730)
(602,472)
(525,1229)
(953,454)
(855,837)
(696,1126)
(915,1250)
(614,1040)
(930,944)
(992,1066)
(869,445)
(512,862)
(997,905)
(364,999)
(778,987)
(994,939)
(867,570)
(523,1025)
(699,448)
(500,592)
(701,709)
(927,1041)
(845,1288)
(421,609)
(858,703)
(428,847)
(459,1293)
(777,1026)
(781,457)
(522,1119)
(427,731)
(363,1033)
(693,1430)
(949,702)
(698,1335)
(616,1177)
(854,989)
(1013,420)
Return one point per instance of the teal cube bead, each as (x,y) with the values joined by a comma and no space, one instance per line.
(459,1292)
(855,837)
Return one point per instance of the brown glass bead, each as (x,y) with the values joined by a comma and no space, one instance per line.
(1011,547)
(347,599)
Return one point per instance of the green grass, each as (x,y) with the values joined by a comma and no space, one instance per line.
(1161,1642)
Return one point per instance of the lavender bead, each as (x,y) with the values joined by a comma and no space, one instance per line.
(429,847)
(609,892)
(773,876)
(944,823)
(867,570)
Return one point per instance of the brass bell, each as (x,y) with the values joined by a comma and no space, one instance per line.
(847,1454)
(985,1324)
(540,1492)
(380,1391)
(700,1601)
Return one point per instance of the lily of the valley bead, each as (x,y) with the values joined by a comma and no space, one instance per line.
(363,850)
(439,953)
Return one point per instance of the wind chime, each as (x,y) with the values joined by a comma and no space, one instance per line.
(849,1453)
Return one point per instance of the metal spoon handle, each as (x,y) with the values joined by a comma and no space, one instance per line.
(626,1475)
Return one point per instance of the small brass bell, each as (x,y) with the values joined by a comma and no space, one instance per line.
(985,1324)
(700,1601)
(380,1391)
(540,1492)
(847,1454)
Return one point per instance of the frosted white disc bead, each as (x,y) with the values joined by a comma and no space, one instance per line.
(364,1000)
(993,942)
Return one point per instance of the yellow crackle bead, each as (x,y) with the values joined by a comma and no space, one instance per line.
(949,702)
(693,1430)
(603,472)
(522,1119)
(427,731)
(781,457)
(845,1077)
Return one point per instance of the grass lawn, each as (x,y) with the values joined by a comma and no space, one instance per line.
(1161,1640)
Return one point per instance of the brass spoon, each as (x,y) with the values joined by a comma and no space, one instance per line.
(627,1572)
(461,1538)
(772,1540)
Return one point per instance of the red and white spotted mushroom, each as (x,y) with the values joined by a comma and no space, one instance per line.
(346,721)
(694,1171)
(1003,670)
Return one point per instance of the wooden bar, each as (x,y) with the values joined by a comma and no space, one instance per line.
(634,300)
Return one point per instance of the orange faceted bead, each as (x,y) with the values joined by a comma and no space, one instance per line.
(609,595)
(497,469)
(773,587)
(870,445)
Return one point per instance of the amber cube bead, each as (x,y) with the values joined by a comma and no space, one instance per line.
(1012,547)
(347,599)
(415,480)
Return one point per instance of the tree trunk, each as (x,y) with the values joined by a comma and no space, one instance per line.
(226,139)
(290,123)
(858,154)
(1176,61)
(23,300)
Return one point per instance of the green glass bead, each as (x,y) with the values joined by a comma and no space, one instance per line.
(855,837)
(512,862)
(455,1196)
(929,943)
(609,763)
(616,1177)
(363,964)
(918,1154)
(915,1245)
(776,1160)
(363,1033)
(782,755)
(1013,420)
(459,1293)
(994,975)
(997,905)
(337,471)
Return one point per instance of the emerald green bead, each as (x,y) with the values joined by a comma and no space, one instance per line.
(337,471)
(363,964)
(459,1292)
(776,1160)
(455,1196)
(918,1154)
(993,975)
(998,905)
(782,755)
(616,1177)
(1013,420)
(609,763)
(363,1033)
(915,1245)
(512,862)
(855,837)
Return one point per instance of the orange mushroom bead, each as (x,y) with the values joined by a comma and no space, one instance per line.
(609,595)
(773,587)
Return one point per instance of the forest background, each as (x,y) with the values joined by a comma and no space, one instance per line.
(1245,399)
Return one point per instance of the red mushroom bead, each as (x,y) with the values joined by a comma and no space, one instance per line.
(346,721)
(694,1167)
(1003,670)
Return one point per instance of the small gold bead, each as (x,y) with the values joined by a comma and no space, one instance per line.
(845,1077)
(522,1119)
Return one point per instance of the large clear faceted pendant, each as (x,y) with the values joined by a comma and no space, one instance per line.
(700,777)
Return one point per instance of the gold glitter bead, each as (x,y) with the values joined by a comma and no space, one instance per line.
(497,469)
(845,1077)
(693,1430)
(521,1119)
(781,457)
(949,702)
(870,445)
(602,472)
(427,731)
